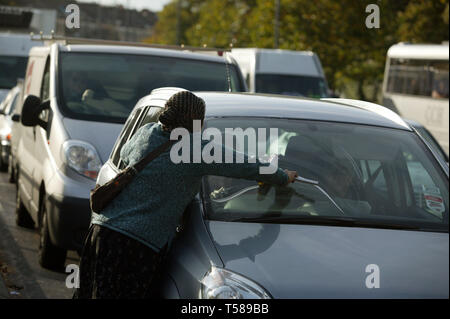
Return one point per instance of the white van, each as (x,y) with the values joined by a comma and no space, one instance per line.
(14,49)
(77,97)
(284,72)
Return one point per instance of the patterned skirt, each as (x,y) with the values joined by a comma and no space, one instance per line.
(115,266)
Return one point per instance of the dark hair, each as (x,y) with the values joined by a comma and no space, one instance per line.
(181,109)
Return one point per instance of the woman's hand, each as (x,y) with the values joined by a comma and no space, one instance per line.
(291,175)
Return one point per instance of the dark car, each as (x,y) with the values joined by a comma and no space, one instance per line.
(374,205)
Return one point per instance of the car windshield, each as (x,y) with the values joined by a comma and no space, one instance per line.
(307,86)
(12,68)
(367,173)
(3,94)
(106,87)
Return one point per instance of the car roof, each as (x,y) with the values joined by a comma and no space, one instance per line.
(413,123)
(123,49)
(273,51)
(227,104)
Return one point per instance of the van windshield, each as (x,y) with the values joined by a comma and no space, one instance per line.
(106,87)
(11,69)
(297,85)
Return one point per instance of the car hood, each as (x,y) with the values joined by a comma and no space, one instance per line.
(101,135)
(302,261)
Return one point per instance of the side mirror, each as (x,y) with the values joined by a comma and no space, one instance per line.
(32,108)
(15,118)
(2,112)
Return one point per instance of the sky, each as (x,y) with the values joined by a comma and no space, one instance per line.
(152,5)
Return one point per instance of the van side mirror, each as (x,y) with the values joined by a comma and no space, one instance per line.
(2,112)
(32,108)
(15,118)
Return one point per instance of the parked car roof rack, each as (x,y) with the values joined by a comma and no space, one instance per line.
(73,40)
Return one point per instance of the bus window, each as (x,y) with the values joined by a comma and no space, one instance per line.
(440,80)
(418,77)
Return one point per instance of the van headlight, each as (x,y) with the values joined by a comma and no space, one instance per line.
(220,283)
(82,157)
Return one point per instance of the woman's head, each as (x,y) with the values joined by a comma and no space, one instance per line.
(181,109)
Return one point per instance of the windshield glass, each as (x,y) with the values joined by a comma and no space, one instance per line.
(106,87)
(431,140)
(3,94)
(307,86)
(370,173)
(11,69)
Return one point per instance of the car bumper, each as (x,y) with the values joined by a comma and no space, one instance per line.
(69,219)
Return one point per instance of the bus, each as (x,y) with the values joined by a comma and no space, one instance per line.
(416,86)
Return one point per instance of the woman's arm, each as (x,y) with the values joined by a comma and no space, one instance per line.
(244,170)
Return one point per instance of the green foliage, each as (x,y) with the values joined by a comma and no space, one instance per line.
(352,55)
(424,21)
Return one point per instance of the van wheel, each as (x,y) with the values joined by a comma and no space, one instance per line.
(2,164)
(23,218)
(11,171)
(50,256)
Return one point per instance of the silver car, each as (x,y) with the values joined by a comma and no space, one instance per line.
(7,108)
(369,220)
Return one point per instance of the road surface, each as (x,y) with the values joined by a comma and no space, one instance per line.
(20,274)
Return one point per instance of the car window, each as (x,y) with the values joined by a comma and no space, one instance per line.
(6,101)
(297,85)
(105,87)
(371,173)
(17,104)
(149,114)
(427,194)
(45,86)
(152,115)
(10,104)
(432,141)
(124,136)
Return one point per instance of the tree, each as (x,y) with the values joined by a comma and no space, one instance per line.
(165,31)
(352,55)
(424,22)
(221,23)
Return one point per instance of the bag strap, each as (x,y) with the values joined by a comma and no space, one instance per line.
(139,166)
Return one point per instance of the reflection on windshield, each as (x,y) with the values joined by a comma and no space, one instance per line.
(296,85)
(369,172)
(107,86)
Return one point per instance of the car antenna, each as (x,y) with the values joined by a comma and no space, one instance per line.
(228,70)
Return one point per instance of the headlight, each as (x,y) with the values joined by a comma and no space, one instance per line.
(82,157)
(220,283)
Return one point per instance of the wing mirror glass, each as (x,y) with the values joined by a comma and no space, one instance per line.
(15,118)
(32,108)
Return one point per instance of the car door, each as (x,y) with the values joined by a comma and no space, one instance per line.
(41,153)
(27,143)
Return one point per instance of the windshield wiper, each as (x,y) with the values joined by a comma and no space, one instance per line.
(316,185)
(325,221)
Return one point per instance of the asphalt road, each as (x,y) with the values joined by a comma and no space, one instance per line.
(19,267)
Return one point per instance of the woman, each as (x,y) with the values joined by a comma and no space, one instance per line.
(128,238)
